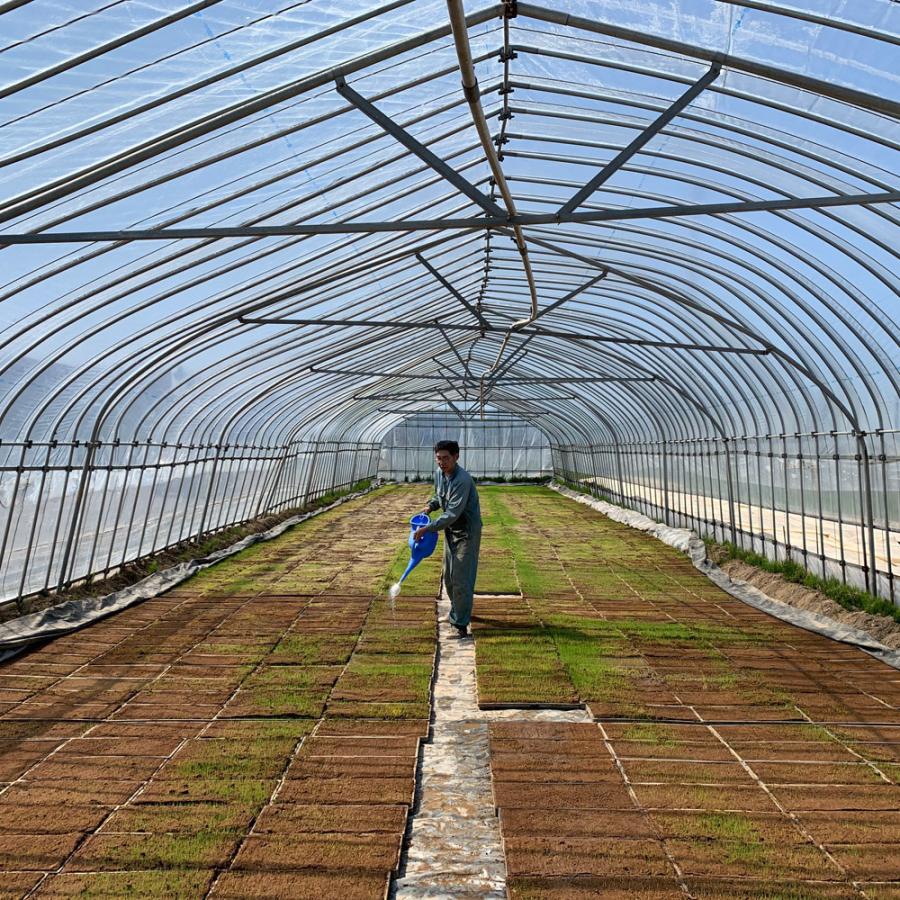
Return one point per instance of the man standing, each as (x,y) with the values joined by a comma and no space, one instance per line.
(461,523)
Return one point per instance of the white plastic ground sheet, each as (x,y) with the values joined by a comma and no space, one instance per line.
(455,847)
(62,618)
(687,542)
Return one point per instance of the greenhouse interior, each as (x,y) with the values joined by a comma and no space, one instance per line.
(599,295)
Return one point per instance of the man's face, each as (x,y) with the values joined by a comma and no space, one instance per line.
(446,462)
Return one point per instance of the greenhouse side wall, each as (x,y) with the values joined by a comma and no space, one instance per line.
(828,501)
(73,510)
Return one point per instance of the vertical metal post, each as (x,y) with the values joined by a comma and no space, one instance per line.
(119,507)
(619,472)
(882,458)
(22,605)
(68,559)
(730,493)
(209,493)
(819,504)
(801,459)
(137,496)
(59,517)
(12,509)
(868,511)
(665,474)
(309,479)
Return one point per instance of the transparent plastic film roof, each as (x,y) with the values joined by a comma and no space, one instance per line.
(242,242)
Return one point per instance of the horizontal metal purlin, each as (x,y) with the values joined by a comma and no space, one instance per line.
(455,224)
(430,158)
(539,332)
(574,379)
(440,398)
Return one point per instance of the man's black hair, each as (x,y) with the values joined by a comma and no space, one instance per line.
(450,446)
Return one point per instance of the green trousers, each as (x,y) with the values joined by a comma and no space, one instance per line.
(460,570)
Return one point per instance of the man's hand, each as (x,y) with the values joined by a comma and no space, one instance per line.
(419,532)
(427,510)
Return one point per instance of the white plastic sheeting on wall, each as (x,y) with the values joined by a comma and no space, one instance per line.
(500,446)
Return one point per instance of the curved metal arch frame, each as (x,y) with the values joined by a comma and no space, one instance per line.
(693,285)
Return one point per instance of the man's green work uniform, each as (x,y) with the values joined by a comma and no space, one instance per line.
(461,524)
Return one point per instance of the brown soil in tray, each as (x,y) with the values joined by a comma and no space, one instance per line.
(117,746)
(584,856)
(253,729)
(133,885)
(875,862)
(162,712)
(332,727)
(116,768)
(567,773)
(547,731)
(754,860)
(180,817)
(686,772)
(401,745)
(355,818)
(348,790)
(273,853)
(703,797)
(154,851)
(335,884)
(837,797)
(43,817)
(352,766)
(731,888)
(18,884)
(566,796)
(672,750)
(37,852)
(544,822)
(793,752)
(589,888)
(79,792)
(846,827)
(825,773)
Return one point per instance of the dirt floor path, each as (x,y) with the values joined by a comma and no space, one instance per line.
(257,732)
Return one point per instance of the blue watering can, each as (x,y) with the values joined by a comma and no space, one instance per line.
(418,550)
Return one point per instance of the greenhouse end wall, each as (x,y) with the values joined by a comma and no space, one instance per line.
(496,448)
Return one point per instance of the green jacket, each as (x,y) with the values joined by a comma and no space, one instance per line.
(458,498)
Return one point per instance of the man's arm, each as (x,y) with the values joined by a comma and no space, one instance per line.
(456,505)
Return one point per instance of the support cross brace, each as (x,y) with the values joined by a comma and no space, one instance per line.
(472,309)
(427,156)
(641,140)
